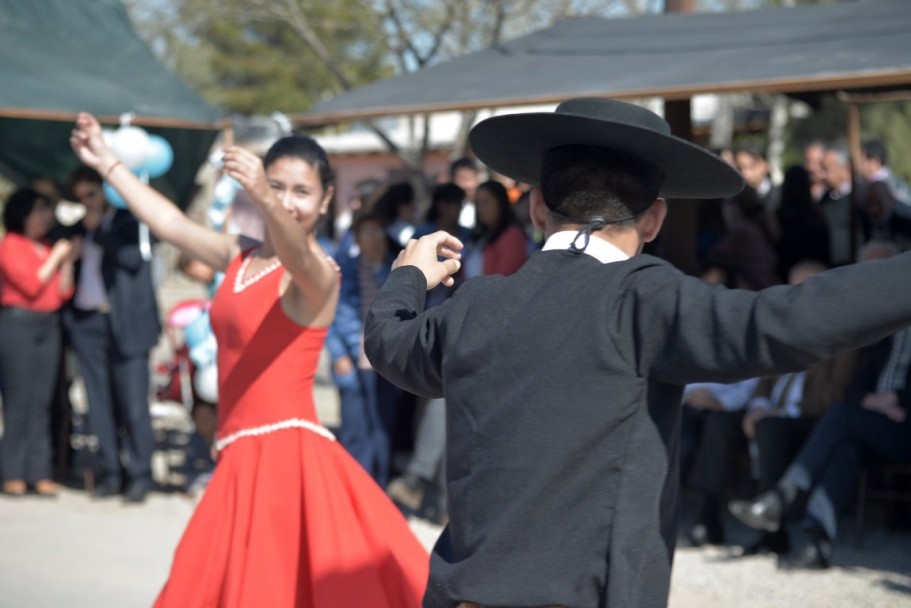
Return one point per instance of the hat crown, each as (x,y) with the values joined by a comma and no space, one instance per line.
(615,111)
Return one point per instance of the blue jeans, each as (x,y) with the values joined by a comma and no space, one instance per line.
(368,407)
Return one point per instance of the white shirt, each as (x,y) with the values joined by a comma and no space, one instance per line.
(791,402)
(732,397)
(90,291)
(598,248)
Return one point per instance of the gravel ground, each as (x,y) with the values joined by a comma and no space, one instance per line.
(74,551)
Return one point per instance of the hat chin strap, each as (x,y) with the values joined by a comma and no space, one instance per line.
(592,225)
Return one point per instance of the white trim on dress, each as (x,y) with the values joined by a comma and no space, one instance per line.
(291,423)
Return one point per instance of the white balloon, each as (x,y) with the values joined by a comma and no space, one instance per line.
(131,145)
(205,381)
(108,135)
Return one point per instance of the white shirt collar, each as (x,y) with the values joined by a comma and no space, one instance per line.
(598,248)
(881,175)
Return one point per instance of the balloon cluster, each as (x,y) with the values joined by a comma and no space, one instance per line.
(147,155)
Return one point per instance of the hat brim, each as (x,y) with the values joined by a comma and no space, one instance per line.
(514,145)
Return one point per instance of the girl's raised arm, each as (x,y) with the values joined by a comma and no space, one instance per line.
(165,219)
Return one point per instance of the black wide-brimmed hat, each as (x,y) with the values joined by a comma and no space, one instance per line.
(514,145)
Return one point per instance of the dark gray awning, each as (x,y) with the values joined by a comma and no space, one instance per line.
(852,45)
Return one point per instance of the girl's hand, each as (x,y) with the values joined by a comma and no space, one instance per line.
(248,170)
(88,144)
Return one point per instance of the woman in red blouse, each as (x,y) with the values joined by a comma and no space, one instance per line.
(499,245)
(35,280)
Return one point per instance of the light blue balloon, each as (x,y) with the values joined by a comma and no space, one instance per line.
(113,197)
(159,157)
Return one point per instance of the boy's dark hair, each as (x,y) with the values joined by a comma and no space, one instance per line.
(19,206)
(304,148)
(461,163)
(443,193)
(752,150)
(873,148)
(579,182)
(83,174)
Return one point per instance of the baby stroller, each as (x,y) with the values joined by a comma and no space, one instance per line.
(184,415)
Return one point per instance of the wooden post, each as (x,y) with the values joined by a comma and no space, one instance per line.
(854,143)
(679,238)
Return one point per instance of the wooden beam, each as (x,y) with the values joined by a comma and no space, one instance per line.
(145,121)
(883,97)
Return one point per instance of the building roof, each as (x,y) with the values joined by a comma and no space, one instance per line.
(850,45)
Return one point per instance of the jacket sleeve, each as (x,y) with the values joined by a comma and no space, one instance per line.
(402,340)
(683,330)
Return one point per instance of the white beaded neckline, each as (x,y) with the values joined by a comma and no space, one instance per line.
(240,284)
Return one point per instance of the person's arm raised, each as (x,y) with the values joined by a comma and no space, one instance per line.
(312,273)
(165,219)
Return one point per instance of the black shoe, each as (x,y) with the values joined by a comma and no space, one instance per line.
(106,488)
(707,532)
(770,542)
(762,513)
(136,491)
(814,554)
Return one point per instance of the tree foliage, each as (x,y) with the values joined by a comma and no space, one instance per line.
(251,57)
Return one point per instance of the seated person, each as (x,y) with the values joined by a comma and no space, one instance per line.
(789,404)
(711,415)
(872,425)
(784,411)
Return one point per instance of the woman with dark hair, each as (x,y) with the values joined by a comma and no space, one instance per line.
(745,252)
(498,245)
(288,518)
(36,279)
(396,207)
(804,230)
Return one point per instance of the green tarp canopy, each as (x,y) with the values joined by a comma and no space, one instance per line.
(64,56)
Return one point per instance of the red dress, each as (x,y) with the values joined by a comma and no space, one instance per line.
(289,518)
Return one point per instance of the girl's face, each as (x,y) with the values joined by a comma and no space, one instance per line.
(39,222)
(297,185)
(488,208)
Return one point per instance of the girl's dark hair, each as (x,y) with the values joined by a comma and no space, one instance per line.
(443,193)
(19,206)
(579,182)
(796,189)
(395,196)
(507,216)
(304,148)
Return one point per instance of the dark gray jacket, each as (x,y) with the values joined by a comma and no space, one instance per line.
(563,386)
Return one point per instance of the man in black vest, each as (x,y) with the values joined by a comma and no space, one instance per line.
(563,381)
(112,324)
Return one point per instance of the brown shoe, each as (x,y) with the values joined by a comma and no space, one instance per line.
(46,487)
(406,491)
(14,487)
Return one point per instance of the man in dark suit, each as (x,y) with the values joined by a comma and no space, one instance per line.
(113,323)
(563,381)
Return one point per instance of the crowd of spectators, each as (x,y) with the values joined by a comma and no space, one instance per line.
(797,442)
